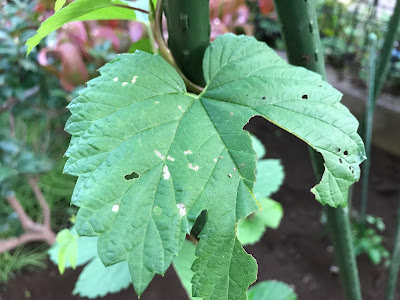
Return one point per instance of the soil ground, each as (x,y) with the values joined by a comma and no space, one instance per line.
(298,252)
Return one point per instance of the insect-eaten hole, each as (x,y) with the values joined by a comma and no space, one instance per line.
(131,176)
(304,97)
(346,152)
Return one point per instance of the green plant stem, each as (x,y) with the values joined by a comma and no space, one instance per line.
(369,116)
(300,31)
(151,38)
(165,52)
(301,35)
(188,35)
(395,262)
(384,57)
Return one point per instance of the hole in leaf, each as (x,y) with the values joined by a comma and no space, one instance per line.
(304,97)
(131,176)
(346,152)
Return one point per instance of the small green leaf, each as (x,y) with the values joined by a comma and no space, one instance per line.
(96,280)
(271,290)
(59,4)
(182,264)
(68,249)
(81,10)
(251,229)
(192,155)
(270,177)
(6,172)
(258,147)
(87,250)
(141,45)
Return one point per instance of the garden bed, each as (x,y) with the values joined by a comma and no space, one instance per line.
(298,253)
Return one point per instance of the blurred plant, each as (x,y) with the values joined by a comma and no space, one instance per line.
(367,239)
(229,16)
(22,257)
(270,176)
(75,52)
(266,6)
(32,117)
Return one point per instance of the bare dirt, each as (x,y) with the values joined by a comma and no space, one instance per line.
(298,252)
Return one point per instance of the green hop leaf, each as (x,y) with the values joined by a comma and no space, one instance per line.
(271,290)
(59,4)
(80,10)
(151,157)
(251,229)
(182,264)
(67,249)
(95,280)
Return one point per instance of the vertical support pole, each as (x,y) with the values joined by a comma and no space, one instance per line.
(301,35)
(188,35)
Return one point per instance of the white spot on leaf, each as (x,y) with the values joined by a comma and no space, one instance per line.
(230,175)
(124,83)
(159,154)
(215,159)
(182,209)
(115,79)
(180,108)
(157,102)
(170,158)
(134,79)
(187,152)
(195,168)
(166,173)
(115,208)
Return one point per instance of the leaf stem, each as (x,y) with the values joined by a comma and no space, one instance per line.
(132,8)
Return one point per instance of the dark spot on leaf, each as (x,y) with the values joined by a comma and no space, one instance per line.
(350,168)
(131,176)
(337,150)
(352,171)
(346,152)
(264,98)
(340,160)
(304,97)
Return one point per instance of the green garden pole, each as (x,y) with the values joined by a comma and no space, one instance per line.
(303,45)
(384,61)
(369,116)
(188,35)
(395,261)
